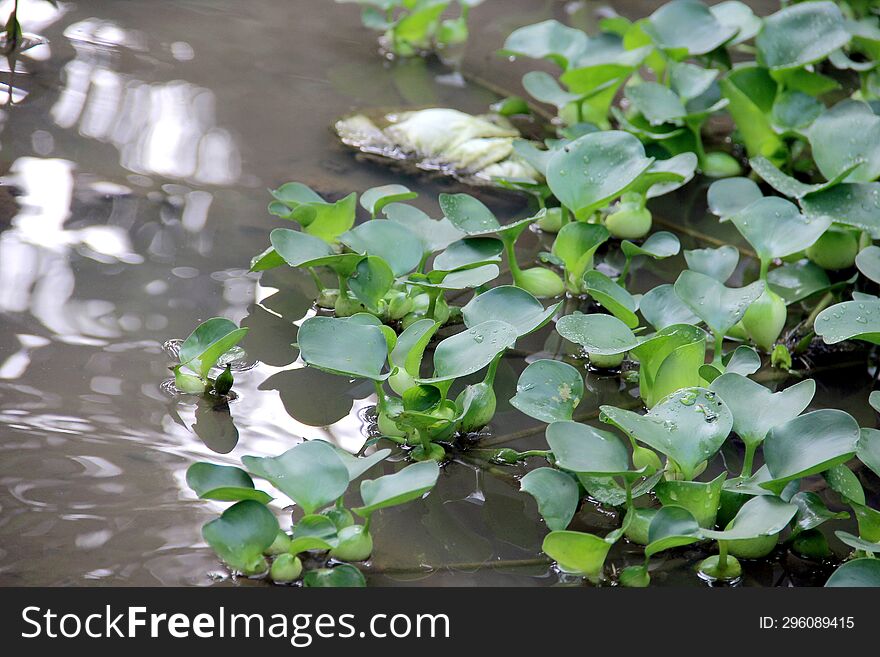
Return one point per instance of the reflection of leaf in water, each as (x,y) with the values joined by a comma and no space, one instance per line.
(215,427)
(270,337)
(311,396)
(452,537)
(410,81)
(504,513)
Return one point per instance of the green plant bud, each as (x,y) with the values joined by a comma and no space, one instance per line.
(765,319)
(836,249)
(355,544)
(280,545)
(455,316)
(603,362)
(637,531)
(441,310)
(540,282)
(401,381)
(811,544)
(780,358)
(712,569)
(630,221)
(636,577)
(223,383)
(399,304)
(646,458)
(719,164)
(551,222)
(327,298)
(346,306)
(341,517)
(286,568)
(188,383)
(481,409)
(388,427)
(452,31)
(258,567)
(505,456)
(433,452)
(753,548)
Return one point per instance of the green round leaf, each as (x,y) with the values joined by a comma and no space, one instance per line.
(868,262)
(410,483)
(763,515)
(542,86)
(577,552)
(597,333)
(471,350)
(659,245)
(775,227)
(549,391)
(241,534)
(801,34)
(662,307)
(844,136)
(755,409)
(224,483)
(556,494)
(549,39)
(376,198)
(688,26)
(358,465)
(391,241)
(473,218)
(612,297)
(581,449)
(671,527)
(869,448)
(669,360)
(850,204)
(856,573)
(809,444)
(717,263)
(208,342)
(795,281)
(858,543)
(510,304)
(342,576)
(411,344)
(297,248)
(733,13)
(812,511)
(594,169)
(575,245)
(371,280)
(701,499)
(312,474)
(657,103)
(343,347)
(719,306)
(469,252)
(850,320)
(689,426)
(435,235)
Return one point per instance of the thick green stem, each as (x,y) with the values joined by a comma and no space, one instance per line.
(765,267)
(493,368)
(748,459)
(316,279)
(433,295)
(719,349)
(625,272)
(722,555)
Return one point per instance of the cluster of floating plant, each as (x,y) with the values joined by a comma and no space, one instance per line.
(805,124)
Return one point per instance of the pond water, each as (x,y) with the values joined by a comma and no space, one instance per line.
(135,160)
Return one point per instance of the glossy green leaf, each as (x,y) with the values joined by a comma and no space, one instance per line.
(468,253)
(846,135)
(851,204)
(556,494)
(795,281)
(612,297)
(701,499)
(689,426)
(341,576)
(775,227)
(208,342)
(549,391)
(671,527)
(471,350)
(670,360)
(376,198)
(744,360)
(370,281)
(751,92)
(435,235)
(543,87)
(457,280)
(688,26)
(510,304)
(858,543)
(597,333)
(664,176)
(391,241)
(593,170)
(549,39)
(719,306)
(577,552)
(343,347)
(224,483)
(791,187)
(794,112)
(472,217)
(756,410)
(330,220)
(662,307)
(297,248)
(312,474)
(868,262)
(845,483)
(763,515)
(313,532)
(733,13)
(358,465)
(689,80)
(850,320)
(717,263)
(661,244)
(801,34)
(864,572)
(657,103)
(582,449)
(241,535)
(410,483)
(869,448)
(812,511)
(411,344)
(809,444)
(576,245)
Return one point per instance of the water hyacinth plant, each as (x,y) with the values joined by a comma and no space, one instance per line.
(720,443)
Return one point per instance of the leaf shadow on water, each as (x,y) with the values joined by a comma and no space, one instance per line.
(314,397)
(215,426)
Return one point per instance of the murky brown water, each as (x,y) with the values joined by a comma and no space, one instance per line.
(139,149)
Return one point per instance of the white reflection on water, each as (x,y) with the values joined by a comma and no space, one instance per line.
(166,128)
